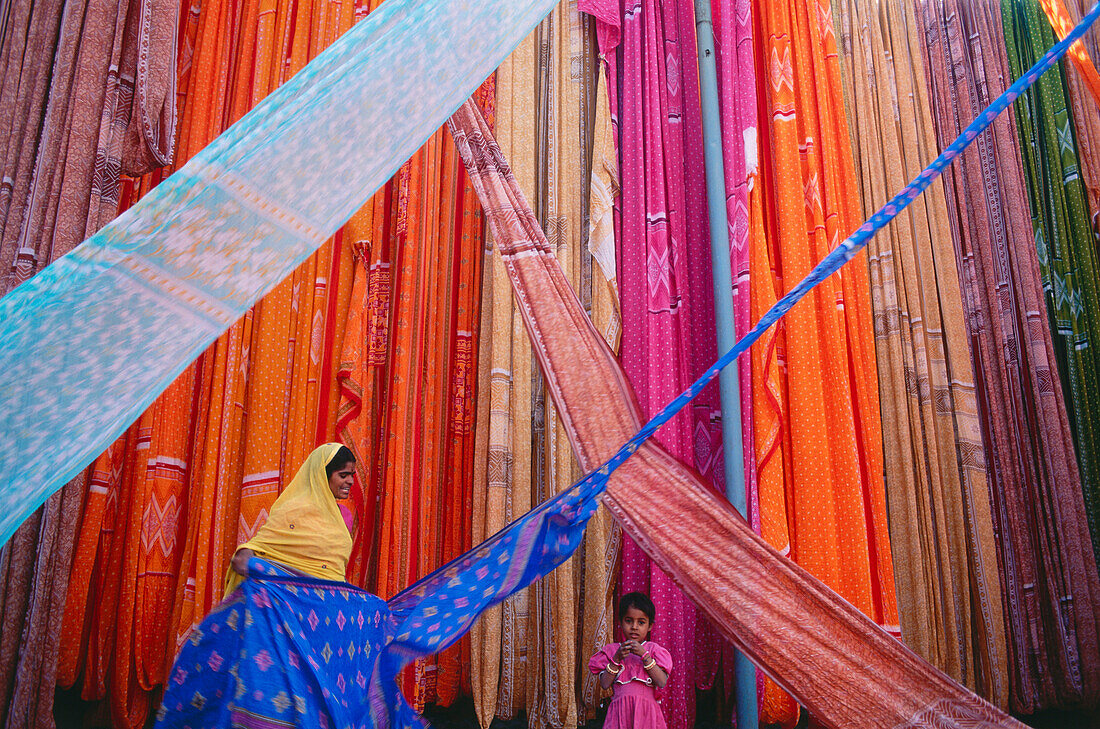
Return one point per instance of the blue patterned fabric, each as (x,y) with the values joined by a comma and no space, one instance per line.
(281,651)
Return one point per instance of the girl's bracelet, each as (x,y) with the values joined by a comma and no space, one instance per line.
(613,671)
(649,666)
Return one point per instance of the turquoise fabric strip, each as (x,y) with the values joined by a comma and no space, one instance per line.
(89,343)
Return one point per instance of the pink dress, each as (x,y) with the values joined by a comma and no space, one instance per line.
(634,702)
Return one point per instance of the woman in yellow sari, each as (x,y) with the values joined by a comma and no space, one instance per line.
(306,531)
(292,644)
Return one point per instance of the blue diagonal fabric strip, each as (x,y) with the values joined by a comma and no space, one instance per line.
(438,610)
(89,343)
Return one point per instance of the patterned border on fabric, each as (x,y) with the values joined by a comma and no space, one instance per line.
(953,714)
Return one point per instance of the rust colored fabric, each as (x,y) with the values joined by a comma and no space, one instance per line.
(787,621)
(941,528)
(1051,591)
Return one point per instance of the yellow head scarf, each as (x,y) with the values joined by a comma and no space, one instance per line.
(304,529)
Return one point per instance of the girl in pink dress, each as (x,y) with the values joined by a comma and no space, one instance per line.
(636,667)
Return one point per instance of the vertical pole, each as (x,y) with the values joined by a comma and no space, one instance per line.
(733,454)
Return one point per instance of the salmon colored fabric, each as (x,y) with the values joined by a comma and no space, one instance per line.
(846,670)
(828,512)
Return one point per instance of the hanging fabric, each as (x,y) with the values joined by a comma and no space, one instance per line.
(665,293)
(941,529)
(528,662)
(89,94)
(1051,592)
(828,511)
(599,293)
(1065,242)
(500,654)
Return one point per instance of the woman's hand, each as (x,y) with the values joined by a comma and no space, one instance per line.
(240,561)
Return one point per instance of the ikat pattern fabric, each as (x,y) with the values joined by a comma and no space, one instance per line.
(281,651)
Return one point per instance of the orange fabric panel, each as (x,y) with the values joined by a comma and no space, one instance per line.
(1062,24)
(828,510)
(99,508)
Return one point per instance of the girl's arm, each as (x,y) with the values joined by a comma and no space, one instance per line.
(613,668)
(656,673)
(660,678)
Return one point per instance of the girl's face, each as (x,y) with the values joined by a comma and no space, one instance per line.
(635,625)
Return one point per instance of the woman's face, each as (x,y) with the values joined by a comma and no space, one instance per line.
(341,480)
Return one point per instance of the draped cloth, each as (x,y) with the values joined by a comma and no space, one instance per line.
(89,93)
(664,283)
(524,655)
(801,631)
(1050,588)
(1065,242)
(304,530)
(599,293)
(941,529)
(504,480)
(282,650)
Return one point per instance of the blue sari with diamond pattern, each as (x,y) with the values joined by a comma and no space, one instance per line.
(282,651)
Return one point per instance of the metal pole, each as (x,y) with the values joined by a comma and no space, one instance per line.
(733,454)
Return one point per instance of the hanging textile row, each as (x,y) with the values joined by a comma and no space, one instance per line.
(400,337)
